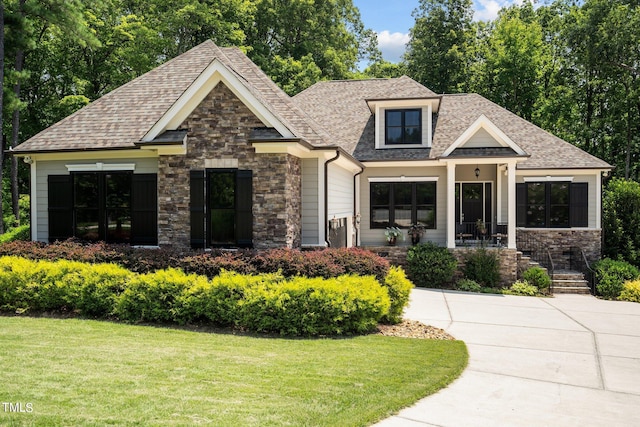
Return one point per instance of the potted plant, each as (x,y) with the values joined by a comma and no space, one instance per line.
(392,233)
(415,231)
(481,227)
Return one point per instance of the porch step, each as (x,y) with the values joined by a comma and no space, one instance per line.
(570,282)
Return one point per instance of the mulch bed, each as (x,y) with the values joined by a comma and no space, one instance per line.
(414,329)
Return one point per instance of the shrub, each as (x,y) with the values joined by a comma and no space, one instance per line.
(399,289)
(315,306)
(630,291)
(522,288)
(611,275)
(156,297)
(482,266)
(621,220)
(429,265)
(22,232)
(538,277)
(101,286)
(468,285)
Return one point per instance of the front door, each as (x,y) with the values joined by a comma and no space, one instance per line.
(473,206)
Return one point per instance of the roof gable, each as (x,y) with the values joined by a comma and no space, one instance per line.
(497,138)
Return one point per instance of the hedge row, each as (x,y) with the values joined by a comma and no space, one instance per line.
(321,263)
(266,302)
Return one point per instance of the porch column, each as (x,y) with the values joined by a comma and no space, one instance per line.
(511,185)
(451,205)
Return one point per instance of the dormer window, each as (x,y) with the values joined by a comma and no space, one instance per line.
(403,126)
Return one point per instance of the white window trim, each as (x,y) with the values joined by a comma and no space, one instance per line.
(547,178)
(426,112)
(404,179)
(99,166)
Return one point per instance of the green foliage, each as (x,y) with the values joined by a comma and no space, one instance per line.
(538,277)
(265,302)
(482,266)
(399,289)
(22,232)
(429,265)
(522,288)
(611,275)
(468,285)
(621,219)
(630,291)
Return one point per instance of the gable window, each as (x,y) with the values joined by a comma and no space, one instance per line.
(403,126)
(400,204)
(555,204)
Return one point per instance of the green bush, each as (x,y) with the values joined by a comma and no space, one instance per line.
(522,288)
(22,233)
(265,302)
(611,275)
(399,289)
(429,265)
(156,297)
(621,220)
(630,291)
(538,277)
(468,285)
(482,266)
(315,306)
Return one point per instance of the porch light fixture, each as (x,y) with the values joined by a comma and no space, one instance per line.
(477,171)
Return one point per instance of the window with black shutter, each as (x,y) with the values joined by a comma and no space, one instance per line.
(222,208)
(60,191)
(554,204)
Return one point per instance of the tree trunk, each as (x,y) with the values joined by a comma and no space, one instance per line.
(15,139)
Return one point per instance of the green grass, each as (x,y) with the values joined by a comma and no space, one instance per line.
(84,372)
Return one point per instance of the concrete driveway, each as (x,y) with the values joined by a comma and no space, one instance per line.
(571,360)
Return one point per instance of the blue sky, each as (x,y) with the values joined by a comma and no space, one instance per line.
(392,19)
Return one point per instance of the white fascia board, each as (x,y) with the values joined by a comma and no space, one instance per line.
(215,73)
(99,166)
(547,178)
(402,103)
(403,178)
(545,172)
(287,147)
(486,124)
(480,160)
(403,164)
(95,155)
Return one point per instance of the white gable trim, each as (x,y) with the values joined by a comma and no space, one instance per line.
(215,73)
(486,124)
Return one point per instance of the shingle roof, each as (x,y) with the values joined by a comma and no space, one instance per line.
(458,112)
(121,118)
(341,107)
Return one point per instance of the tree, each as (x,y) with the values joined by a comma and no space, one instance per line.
(511,74)
(328,33)
(621,220)
(438,55)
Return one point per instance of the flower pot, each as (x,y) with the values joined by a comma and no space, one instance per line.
(415,239)
(391,240)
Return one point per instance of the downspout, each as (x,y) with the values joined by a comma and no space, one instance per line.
(326,197)
(356,225)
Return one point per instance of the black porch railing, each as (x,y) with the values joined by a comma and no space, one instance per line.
(538,252)
(578,262)
(494,233)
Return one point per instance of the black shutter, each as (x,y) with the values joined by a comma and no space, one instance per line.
(60,190)
(521,205)
(579,205)
(197,208)
(144,209)
(244,207)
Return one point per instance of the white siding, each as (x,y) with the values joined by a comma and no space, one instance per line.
(340,192)
(481,139)
(57,167)
(310,202)
(375,236)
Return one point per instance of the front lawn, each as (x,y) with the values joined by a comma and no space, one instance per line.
(83,372)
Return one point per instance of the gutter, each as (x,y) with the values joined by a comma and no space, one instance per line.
(326,197)
(356,222)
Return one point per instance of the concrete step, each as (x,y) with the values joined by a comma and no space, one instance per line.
(580,290)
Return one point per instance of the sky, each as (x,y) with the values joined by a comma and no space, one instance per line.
(392,19)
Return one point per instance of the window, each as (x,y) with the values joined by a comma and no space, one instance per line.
(401,204)
(119,207)
(221,208)
(552,204)
(403,127)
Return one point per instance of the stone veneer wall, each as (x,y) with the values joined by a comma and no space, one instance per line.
(560,241)
(219,129)
(508,258)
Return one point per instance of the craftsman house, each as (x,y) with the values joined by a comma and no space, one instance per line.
(206,151)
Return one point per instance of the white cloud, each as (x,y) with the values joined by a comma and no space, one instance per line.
(392,45)
(488,11)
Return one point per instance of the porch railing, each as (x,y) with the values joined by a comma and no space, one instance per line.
(578,262)
(539,252)
(493,232)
